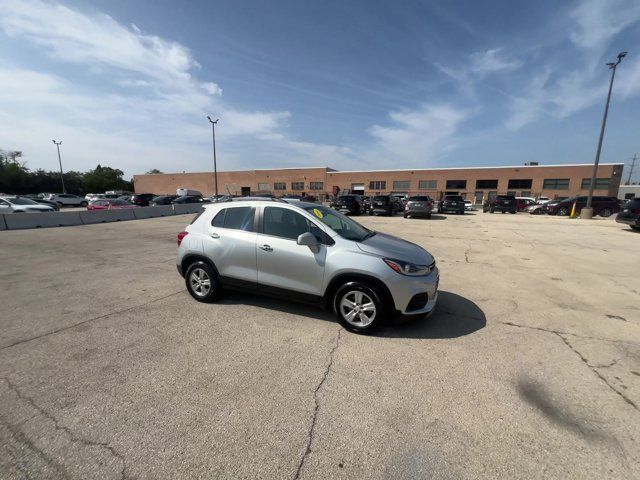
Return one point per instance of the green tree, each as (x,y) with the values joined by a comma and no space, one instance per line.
(153,171)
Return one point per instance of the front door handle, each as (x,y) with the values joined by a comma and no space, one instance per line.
(266,248)
(215,235)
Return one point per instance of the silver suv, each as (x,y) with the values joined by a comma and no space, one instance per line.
(310,253)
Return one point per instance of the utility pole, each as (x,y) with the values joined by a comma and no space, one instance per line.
(215,166)
(612,66)
(633,164)
(64,190)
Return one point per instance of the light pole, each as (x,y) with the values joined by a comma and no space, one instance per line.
(612,66)
(64,190)
(215,166)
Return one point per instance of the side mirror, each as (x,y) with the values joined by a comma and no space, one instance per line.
(310,241)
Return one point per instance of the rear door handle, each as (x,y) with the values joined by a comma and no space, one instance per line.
(215,235)
(266,248)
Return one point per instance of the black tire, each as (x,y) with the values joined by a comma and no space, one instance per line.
(371,213)
(605,212)
(637,229)
(59,204)
(406,216)
(348,292)
(428,216)
(492,210)
(512,211)
(84,204)
(196,269)
(563,211)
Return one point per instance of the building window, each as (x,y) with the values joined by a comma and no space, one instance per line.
(555,184)
(263,186)
(601,183)
(525,193)
(456,184)
(486,184)
(316,185)
(297,186)
(280,186)
(402,184)
(511,192)
(520,183)
(428,184)
(493,194)
(378,185)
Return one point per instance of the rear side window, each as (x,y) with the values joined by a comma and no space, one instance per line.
(196,217)
(238,218)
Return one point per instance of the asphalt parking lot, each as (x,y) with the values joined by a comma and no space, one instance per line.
(530,367)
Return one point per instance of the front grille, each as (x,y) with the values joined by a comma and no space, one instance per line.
(418,302)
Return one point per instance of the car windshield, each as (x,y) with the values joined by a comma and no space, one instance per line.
(419,199)
(339,223)
(453,197)
(381,198)
(20,201)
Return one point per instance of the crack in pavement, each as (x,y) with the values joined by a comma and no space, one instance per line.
(593,368)
(72,437)
(317,406)
(560,332)
(99,317)
(600,376)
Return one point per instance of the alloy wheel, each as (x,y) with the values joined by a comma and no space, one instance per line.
(200,282)
(357,308)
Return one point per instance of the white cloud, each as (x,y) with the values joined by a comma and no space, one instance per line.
(492,61)
(418,136)
(596,22)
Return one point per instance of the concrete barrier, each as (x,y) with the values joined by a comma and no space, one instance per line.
(17,221)
(3,225)
(102,216)
(187,208)
(145,212)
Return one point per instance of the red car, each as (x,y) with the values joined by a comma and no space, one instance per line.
(110,204)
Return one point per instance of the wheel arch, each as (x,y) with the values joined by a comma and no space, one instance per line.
(190,258)
(343,278)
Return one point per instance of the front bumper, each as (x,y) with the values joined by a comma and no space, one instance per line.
(628,220)
(403,288)
(418,211)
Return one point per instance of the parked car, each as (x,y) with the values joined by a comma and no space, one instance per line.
(501,203)
(542,200)
(349,204)
(385,205)
(11,204)
(38,199)
(93,196)
(451,203)
(366,204)
(67,200)
(189,199)
(630,214)
(603,206)
(185,192)
(522,203)
(140,199)
(110,204)
(468,206)
(418,206)
(309,253)
(162,200)
(535,209)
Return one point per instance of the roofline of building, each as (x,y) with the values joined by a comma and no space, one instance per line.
(332,170)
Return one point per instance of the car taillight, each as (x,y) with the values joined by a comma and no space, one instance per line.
(181,236)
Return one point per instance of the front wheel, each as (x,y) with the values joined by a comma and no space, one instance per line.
(605,212)
(83,204)
(406,216)
(512,211)
(563,211)
(202,282)
(358,307)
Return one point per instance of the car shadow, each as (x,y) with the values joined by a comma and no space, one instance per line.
(433,217)
(455,316)
(281,305)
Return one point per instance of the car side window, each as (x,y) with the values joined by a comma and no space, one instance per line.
(285,223)
(235,218)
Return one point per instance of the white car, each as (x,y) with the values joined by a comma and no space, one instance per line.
(67,199)
(22,205)
(542,200)
(468,206)
(93,196)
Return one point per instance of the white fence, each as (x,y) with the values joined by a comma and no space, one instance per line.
(18,221)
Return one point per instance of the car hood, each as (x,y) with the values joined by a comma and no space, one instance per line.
(389,246)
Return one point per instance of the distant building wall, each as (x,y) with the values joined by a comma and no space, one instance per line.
(473,183)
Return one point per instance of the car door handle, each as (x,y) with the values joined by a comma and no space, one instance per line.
(266,248)
(215,235)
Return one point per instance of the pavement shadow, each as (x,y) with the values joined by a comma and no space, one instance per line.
(455,316)
(433,217)
(281,305)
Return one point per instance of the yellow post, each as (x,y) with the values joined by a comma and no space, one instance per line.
(573,211)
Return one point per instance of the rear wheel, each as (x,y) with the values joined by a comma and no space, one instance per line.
(83,204)
(605,212)
(512,211)
(563,211)
(202,282)
(428,216)
(358,307)
(406,215)
(492,210)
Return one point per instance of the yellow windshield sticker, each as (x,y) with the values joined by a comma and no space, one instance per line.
(318,213)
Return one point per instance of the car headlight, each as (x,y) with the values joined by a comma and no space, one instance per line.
(408,268)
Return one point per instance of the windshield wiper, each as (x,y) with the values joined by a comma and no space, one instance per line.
(370,234)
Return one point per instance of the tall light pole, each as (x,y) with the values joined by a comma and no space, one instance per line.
(215,166)
(64,190)
(612,66)
(633,164)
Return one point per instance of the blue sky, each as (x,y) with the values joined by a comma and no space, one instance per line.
(348,84)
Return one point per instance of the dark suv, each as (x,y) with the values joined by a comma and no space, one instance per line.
(418,206)
(630,214)
(501,203)
(349,204)
(451,203)
(141,199)
(603,206)
(385,205)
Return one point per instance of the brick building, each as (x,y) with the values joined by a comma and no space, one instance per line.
(474,183)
